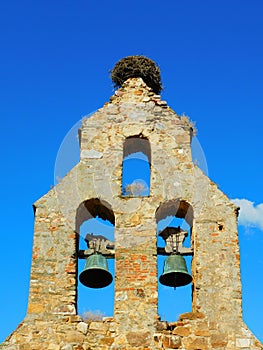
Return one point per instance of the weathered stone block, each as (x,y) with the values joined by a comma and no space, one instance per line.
(171,341)
(65,310)
(36,308)
(85,153)
(138,339)
(107,341)
(243,343)
(74,337)
(202,332)
(53,347)
(67,347)
(192,315)
(219,340)
(99,327)
(183,331)
(82,327)
(196,343)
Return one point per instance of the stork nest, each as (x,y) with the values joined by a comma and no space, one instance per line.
(137,67)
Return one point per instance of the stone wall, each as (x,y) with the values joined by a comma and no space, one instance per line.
(216,319)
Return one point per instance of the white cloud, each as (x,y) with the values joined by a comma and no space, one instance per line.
(249,214)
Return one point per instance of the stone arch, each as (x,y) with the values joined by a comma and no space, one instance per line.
(179,208)
(91,208)
(174,217)
(95,223)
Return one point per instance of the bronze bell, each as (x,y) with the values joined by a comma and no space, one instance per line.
(175,273)
(96,273)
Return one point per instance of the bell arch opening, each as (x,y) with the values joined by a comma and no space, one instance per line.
(136,167)
(174,258)
(96,270)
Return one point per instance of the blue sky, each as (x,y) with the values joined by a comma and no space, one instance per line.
(55,61)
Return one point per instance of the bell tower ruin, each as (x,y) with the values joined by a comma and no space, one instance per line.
(135,120)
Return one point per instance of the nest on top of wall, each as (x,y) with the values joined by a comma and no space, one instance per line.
(137,67)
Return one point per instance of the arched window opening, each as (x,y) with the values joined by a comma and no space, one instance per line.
(174,226)
(95,225)
(136,167)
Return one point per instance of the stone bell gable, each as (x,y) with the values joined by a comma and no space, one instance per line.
(134,120)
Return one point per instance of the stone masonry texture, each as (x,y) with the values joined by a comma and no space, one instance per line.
(52,322)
